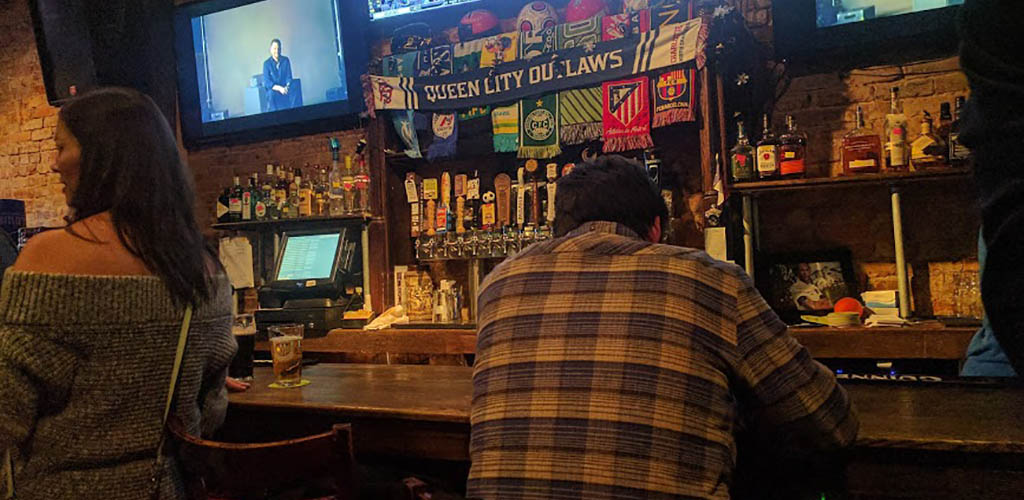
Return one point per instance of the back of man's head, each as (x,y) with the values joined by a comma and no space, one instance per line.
(611,188)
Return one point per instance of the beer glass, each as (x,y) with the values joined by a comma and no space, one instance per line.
(244,331)
(286,350)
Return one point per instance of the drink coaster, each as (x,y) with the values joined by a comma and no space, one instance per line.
(275,385)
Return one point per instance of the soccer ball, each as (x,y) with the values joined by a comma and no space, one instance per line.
(537,16)
(478,24)
(579,10)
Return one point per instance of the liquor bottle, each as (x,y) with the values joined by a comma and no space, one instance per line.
(862,149)
(293,193)
(320,192)
(348,185)
(897,155)
(958,154)
(362,181)
(267,193)
(927,149)
(792,151)
(335,193)
(224,206)
(280,192)
(235,202)
(942,130)
(742,157)
(767,152)
(305,192)
(259,208)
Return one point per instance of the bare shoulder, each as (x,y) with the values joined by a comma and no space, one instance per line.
(90,247)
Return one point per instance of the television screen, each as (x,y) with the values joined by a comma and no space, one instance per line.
(838,12)
(246,65)
(309,257)
(381,9)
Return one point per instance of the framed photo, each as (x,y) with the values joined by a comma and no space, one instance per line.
(805,283)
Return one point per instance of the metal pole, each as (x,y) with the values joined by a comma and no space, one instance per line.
(748,235)
(901,259)
(367,299)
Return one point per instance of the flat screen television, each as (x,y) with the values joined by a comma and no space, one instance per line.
(862,30)
(383,9)
(259,69)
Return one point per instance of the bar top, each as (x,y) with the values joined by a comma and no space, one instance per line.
(934,418)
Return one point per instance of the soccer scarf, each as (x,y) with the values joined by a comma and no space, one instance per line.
(627,115)
(466,56)
(436,61)
(579,110)
(403,120)
(580,116)
(446,135)
(506,128)
(499,49)
(538,127)
(538,116)
(673,88)
(626,24)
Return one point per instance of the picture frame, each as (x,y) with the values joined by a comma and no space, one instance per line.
(800,283)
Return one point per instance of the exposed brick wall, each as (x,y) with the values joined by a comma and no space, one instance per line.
(27,121)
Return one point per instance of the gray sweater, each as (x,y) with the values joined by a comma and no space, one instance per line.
(85,362)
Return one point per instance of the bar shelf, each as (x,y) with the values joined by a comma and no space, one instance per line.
(285,224)
(879,179)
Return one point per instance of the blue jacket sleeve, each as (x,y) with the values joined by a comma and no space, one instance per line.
(286,71)
(268,79)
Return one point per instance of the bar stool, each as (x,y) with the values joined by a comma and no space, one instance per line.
(281,469)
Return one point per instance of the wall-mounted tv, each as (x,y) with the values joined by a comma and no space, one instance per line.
(258,69)
(863,31)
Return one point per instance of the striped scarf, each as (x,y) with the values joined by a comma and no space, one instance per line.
(579,109)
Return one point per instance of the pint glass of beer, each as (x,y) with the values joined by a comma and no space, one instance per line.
(286,349)
(245,334)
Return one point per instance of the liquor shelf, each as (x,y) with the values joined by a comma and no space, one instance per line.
(885,178)
(281,224)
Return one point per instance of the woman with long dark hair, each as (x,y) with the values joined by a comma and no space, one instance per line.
(90,316)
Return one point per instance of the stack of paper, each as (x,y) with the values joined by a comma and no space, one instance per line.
(882,302)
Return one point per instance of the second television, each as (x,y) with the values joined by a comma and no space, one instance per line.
(254,67)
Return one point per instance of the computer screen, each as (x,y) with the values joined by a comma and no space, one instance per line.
(308,257)
(838,12)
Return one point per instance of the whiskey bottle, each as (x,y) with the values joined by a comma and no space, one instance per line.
(767,152)
(742,158)
(320,192)
(862,149)
(235,202)
(224,206)
(259,206)
(305,192)
(927,149)
(958,154)
(267,193)
(897,152)
(247,201)
(792,151)
(281,192)
(294,178)
(942,130)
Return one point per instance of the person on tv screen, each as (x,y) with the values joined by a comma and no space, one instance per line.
(277,78)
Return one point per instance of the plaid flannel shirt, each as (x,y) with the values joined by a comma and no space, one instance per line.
(610,367)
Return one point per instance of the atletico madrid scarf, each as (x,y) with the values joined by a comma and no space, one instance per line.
(674,96)
(538,127)
(579,110)
(627,115)
(404,65)
(506,129)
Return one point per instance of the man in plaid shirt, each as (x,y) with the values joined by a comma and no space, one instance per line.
(609,366)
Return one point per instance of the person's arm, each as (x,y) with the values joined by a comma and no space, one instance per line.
(286,72)
(785,395)
(268,78)
(213,394)
(36,375)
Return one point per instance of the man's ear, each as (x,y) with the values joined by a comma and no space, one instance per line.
(654,235)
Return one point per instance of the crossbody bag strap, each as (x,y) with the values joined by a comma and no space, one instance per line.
(178,356)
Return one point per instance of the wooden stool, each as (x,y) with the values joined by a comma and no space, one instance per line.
(267,470)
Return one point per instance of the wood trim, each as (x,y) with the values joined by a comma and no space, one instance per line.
(929,342)
(707,123)
(392,341)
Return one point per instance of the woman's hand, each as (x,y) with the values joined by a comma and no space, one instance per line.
(235,385)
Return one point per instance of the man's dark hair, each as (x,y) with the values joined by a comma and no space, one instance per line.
(611,188)
(131,167)
(280,46)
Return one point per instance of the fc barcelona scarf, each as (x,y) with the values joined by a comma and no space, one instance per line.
(627,115)
(538,127)
(446,135)
(580,116)
(506,129)
(404,65)
(674,88)
(673,97)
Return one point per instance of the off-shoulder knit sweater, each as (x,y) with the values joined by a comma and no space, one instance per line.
(85,362)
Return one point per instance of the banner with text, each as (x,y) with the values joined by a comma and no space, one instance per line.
(671,45)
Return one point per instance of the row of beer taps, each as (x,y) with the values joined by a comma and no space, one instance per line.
(479,244)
